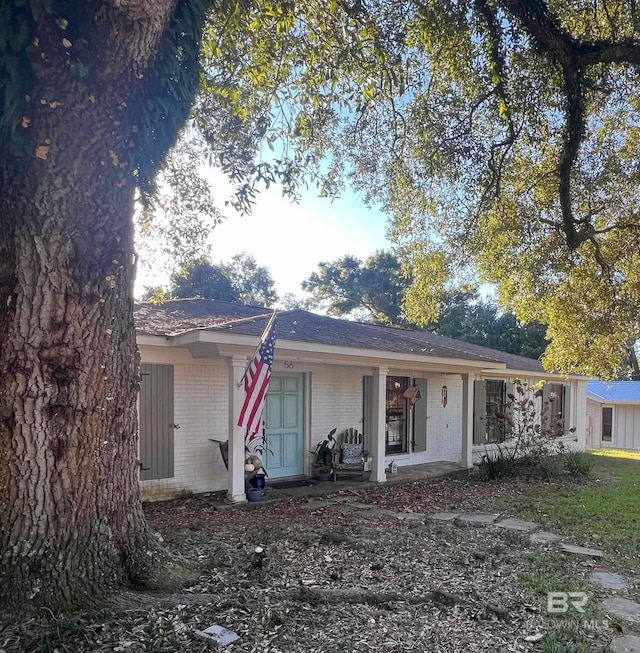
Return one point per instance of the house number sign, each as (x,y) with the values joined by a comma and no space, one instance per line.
(288,365)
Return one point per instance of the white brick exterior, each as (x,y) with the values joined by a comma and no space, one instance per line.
(333,398)
(201,411)
(336,400)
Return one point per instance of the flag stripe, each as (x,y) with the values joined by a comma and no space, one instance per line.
(251,410)
(256,381)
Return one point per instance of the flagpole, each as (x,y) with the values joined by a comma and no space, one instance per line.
(266,330)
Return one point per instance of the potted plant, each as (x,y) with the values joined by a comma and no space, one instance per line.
(255,472)
(323,463)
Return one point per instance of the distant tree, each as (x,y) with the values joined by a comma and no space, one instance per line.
(239,280)
(252,283)
(373,289)
(289,302)
(155,294)
(199,278)
(376,289)
(465,316)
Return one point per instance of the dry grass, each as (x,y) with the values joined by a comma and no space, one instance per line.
(337,578)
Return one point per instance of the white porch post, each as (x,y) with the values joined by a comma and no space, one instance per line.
(579,409)
(467,419)
(379,426)
(235,485)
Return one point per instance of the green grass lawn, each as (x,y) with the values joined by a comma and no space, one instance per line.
(602,510)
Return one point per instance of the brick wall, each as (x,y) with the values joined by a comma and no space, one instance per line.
(336,400)
(201,411)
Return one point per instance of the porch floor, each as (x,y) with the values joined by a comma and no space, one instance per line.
(406,474)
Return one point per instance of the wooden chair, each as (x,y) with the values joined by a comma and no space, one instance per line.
(349,456)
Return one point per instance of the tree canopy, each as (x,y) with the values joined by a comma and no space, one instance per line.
(499,135)
(375,290)
(239,280)
(252,283)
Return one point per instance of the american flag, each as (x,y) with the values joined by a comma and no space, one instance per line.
(256,380)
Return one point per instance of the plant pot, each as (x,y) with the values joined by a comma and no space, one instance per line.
(258,481)
(323,475)
(254,494)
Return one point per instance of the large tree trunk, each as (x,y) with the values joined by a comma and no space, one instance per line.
(71,521)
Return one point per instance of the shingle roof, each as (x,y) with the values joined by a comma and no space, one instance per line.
(181,315)
(615,391)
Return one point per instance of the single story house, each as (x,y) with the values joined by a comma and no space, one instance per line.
(327,373)
(613,415)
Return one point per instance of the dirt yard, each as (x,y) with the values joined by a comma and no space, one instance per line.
(334,576)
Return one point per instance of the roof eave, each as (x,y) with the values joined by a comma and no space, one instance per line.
(314,352)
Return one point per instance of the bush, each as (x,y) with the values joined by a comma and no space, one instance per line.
(552,467)
(497,465)
(578,463)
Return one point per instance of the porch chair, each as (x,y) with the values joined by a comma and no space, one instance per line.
(349,455)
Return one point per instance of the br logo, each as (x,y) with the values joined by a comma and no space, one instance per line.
(560,602)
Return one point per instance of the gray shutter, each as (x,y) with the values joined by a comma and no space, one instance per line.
(420,417)
(156,421)
(510,404)
(546,411)
(367,410)
(567,412)
(479,412)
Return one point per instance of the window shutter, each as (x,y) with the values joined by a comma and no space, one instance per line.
(420,417)
(156,421)
(567,412)
(367,409)
(479,412)
(546,411)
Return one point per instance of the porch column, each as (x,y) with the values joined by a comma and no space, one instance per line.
(235,484)
(379,425)
(579,409)
(467,420)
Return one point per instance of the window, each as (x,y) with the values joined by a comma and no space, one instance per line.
(488,405)
(557,410)
(496,393)
(397,414)
(607,424)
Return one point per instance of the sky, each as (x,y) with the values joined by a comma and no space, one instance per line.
(290,239)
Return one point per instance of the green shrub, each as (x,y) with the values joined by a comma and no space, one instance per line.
(577,463)
(497,465)
(552,467)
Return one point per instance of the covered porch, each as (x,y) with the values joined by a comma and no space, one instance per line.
(309,487)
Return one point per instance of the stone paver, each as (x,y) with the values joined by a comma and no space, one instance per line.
(626,644)
(517,524)
(410,516)
(623,609)
(478,519)
(358,505)
(444,516)
(316,503)
(581,550)
(544,537)
(609,579)
(403,516)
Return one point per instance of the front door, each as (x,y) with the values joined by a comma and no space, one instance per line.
(284,426)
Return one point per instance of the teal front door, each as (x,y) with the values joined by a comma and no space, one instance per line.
(284,422)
